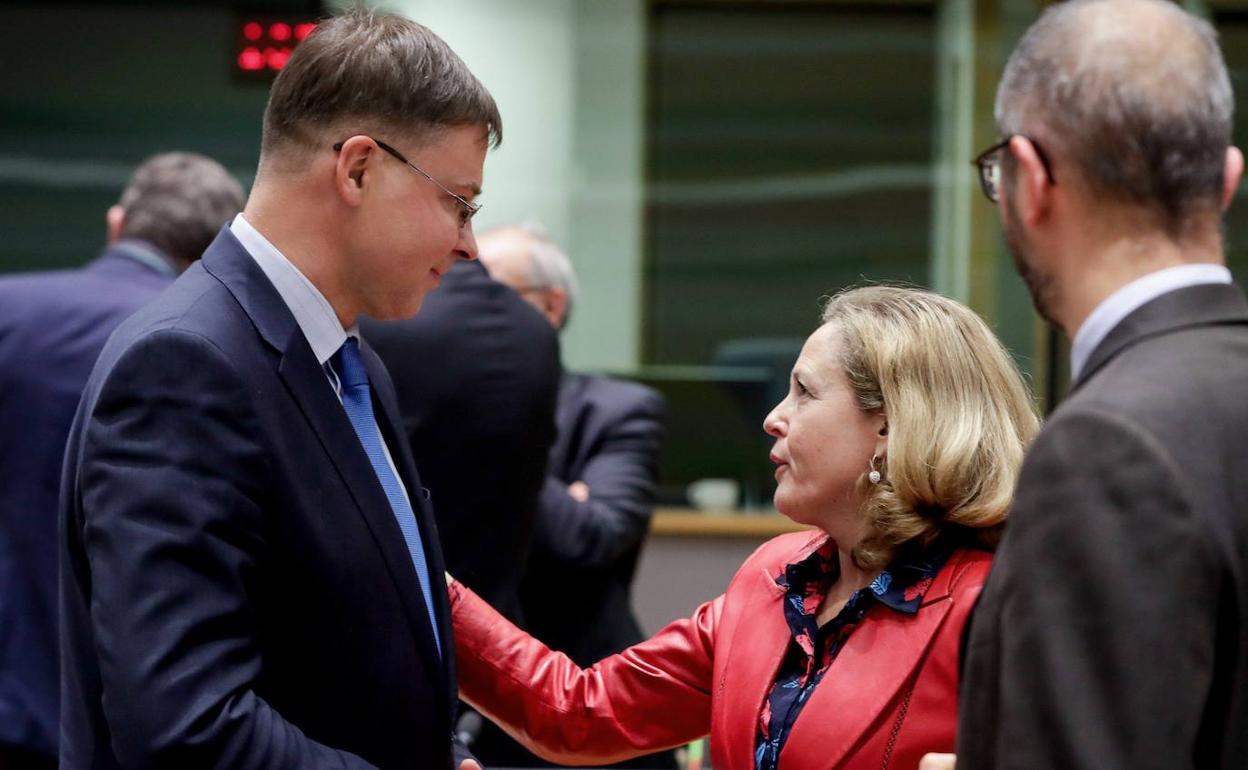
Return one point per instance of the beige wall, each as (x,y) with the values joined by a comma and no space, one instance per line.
(676,574)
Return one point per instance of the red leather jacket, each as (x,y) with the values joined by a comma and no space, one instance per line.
(889,698)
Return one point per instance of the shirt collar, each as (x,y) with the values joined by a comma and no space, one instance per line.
(315,316)
(1122,302)
(907,579)
(145,253)
(900,586)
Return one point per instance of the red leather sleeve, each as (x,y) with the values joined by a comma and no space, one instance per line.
(654,695)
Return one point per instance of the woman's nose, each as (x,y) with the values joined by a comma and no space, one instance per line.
(772,423)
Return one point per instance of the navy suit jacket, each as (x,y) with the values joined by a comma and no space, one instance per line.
(52,327)
(585,553)
(236,592)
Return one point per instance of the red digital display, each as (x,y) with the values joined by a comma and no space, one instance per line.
(264,44)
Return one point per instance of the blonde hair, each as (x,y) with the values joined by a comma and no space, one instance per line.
(959,415)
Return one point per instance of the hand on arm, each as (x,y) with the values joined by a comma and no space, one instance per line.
(654,695)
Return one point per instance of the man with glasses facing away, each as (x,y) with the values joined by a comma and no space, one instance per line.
(1113,630)
(250,574)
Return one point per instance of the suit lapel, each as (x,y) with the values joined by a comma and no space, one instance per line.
(869,674)
(866,677)
(1201,305)
(306,381)
(385,407)
(568,431)
(753,663)
(308,385)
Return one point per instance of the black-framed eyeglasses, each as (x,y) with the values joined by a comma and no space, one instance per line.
(467,210)
(989,164)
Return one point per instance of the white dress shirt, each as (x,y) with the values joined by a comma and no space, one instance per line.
(1123,302)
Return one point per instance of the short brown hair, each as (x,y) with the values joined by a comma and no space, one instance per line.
(367,71)
(178,201)
(959,415)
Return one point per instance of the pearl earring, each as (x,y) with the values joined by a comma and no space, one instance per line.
(874,476)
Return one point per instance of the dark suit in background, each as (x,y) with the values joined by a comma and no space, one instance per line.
(1113,632)
(577,592)
(599,483)
(476,373)
(52,327)
(236,591)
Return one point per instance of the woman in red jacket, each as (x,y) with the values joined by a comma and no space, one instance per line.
(899,442)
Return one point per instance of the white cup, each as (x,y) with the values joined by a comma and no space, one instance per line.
(713,494)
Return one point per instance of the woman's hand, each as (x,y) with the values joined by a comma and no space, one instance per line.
(929,762)
(468,764)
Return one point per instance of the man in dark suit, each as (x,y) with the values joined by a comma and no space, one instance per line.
(52,327)
(250,575)
(1113,631)
(476,375)
(598,496)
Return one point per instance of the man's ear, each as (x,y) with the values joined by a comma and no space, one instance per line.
(114,221)
(556,304)
(1033,193)
(353,168)
(1232,172)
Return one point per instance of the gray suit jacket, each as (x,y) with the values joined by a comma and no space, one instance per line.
(1113,630)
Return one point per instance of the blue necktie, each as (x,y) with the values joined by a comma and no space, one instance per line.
(357,400)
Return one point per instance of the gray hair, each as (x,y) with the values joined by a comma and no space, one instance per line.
(177,201)
(550,266)
(1134,93)
(366,71)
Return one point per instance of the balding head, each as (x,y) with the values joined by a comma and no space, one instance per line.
(1133,94)
(504,251)
(526,259)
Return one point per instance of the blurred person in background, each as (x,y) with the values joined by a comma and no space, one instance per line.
(476,374)
(899,442)
(1113,632)
(52,327)
(598,496)
(250,575)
